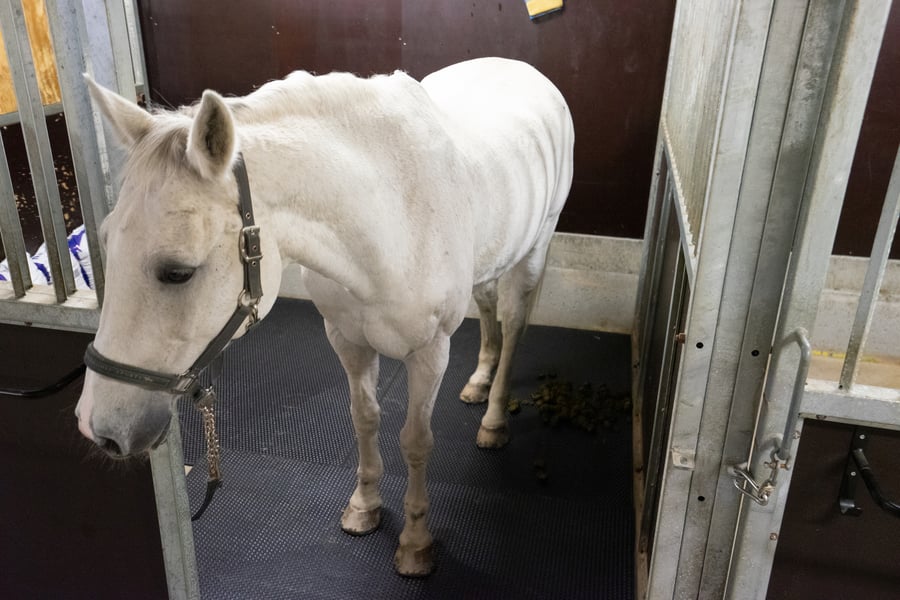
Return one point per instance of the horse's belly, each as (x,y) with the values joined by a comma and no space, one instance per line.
(395,328)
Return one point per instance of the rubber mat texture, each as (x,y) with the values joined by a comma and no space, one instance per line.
(289,461)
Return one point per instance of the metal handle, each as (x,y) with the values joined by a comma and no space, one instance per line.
(801,337)
(743,478)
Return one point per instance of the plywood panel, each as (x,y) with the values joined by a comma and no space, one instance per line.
(42,52)
(608,57)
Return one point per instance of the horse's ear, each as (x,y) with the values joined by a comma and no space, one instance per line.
(211,145)
(129,121)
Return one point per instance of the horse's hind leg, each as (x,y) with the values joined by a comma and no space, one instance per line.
(363,512)
(517,289)
(479,384)
(425,369)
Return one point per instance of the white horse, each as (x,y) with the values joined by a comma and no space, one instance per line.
(398,199)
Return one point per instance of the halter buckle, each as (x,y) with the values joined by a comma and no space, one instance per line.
(251,250)
(185,383)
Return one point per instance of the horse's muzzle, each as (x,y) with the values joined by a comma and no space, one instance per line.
(138,436)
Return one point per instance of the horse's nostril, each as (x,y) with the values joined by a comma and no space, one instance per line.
(110,446)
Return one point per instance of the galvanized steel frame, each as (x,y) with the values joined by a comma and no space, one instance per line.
(846,92)
(772,99)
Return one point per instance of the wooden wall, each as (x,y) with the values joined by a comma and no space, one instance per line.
(41,51)
(608,58)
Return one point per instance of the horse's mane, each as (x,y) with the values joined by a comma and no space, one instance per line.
(300,94)
(162,150)
(303,94)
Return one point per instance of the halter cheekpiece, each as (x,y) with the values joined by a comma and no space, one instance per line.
(187,383)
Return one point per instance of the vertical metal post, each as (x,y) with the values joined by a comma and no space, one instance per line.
(117,21)
(859,40)
(37,145)
(67,27)
(881,250)
(700,410)
(137,47)
(173,511)
(798,56)
(11,231)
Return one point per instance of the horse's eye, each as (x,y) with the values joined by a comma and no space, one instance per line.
(176,274)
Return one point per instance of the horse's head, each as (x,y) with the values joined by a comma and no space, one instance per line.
(174,267)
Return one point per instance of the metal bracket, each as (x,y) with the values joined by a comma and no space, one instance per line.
(858,466)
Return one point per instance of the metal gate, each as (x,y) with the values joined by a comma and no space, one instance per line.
(101,38)
(763,106)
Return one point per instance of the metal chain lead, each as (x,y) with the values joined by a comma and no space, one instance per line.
(205,404)
(212,439)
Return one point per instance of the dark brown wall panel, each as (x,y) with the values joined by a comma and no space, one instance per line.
(233,46)
(822,553)
(608,58)
(875,152)
(75,525)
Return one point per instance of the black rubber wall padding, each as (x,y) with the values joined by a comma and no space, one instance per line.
(289,460)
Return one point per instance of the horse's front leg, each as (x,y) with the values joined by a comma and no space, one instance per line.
(363,512)
(425,369)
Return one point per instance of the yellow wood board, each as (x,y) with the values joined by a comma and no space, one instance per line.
(42,52)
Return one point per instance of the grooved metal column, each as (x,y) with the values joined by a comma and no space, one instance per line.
(859,39)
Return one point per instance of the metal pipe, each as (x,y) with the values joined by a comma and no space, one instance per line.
(865,470)
(881,250)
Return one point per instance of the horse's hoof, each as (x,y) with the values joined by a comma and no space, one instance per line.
(475,393)
(360,522)
(492,438)
(412,562)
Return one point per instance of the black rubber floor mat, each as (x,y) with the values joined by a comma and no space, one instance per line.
(548,516)
(279,387)
(273,532)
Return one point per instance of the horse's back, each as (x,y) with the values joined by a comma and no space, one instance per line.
(515,128)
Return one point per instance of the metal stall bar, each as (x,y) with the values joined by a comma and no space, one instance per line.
(138,60)
(859,39)
(881,250)
(37,145)
(117,21)
(11,231)
(174,514)
(798,54)
(864,405)
(680,536)
(67,29)
(11,118)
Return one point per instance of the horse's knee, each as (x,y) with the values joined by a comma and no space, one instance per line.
(416,444)
(366,417)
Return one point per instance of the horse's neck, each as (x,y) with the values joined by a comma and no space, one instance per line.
(344,195)
(317,221)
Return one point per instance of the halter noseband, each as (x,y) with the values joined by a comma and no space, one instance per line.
(187,383)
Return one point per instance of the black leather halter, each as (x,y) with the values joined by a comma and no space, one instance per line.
(187,383)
